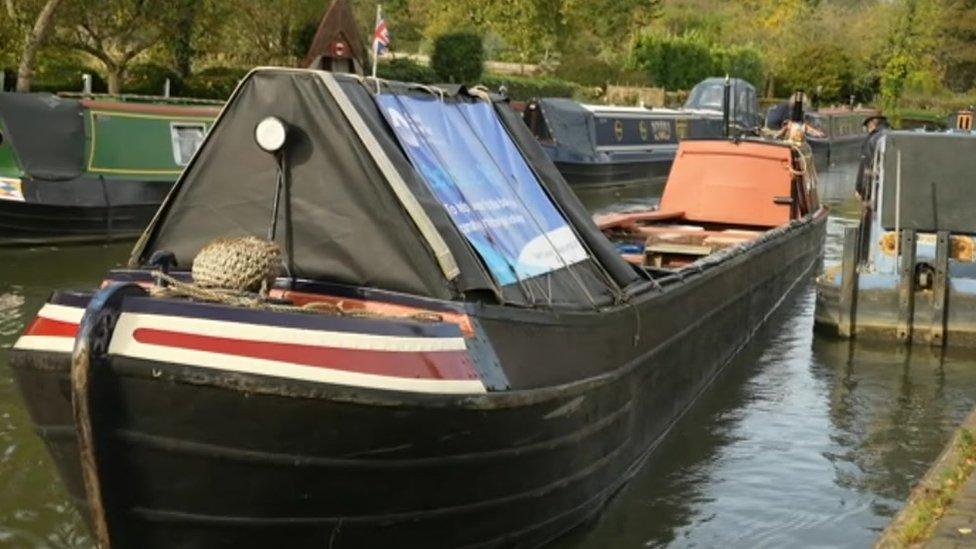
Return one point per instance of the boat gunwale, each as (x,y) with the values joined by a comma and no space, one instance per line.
(293,388)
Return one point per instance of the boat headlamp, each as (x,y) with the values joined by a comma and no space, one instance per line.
(271,134)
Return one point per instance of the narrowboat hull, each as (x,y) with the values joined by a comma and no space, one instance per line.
(202,457)
(68,212)
(651,175)
(878,311)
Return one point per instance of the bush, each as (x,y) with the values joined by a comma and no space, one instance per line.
(822,65)
(150,79)
(743,62)
(406,70)
(522,88)
(213,83)
(458,57)
(673,62)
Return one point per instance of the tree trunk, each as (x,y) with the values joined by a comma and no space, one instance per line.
(115,75)
(35,39)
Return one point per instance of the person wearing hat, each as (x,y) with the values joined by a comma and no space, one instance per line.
(876,126)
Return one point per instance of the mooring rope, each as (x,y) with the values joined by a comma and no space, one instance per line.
(177,288)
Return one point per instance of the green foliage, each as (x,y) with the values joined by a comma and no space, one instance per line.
(213,83)
(523,88)
(673,62)
(150,79)
(822,66)
(63,72)
(406,70)
(743,62)
(458,57)
(680,62)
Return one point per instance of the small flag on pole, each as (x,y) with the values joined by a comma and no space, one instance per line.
(381,37)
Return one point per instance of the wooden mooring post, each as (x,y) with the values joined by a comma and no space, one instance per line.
(906,285)
(940,289)
(848,283)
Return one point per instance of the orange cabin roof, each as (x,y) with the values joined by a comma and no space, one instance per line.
(738,183)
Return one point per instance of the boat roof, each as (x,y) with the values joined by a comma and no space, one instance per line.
(644,112)
(926,180)
(47,133)
(438,192)
(701,96)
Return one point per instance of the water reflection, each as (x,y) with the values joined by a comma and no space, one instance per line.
(34,508)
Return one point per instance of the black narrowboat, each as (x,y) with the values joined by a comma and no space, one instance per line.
(605,146)
(839,135)
(455,354)
(90,168)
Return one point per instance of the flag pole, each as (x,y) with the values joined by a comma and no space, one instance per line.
(376,45)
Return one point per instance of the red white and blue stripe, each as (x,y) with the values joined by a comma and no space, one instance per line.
(414,363)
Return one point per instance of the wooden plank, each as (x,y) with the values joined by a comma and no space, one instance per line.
(612,220)
(940,290)
(906,285)
(678,249)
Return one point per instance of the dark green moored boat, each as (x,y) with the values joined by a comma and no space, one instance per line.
(90,169)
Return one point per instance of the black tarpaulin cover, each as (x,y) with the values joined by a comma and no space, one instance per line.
(347,225)
(937,187)
(47,133)
(571,126)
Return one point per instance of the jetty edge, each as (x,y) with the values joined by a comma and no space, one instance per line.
(407,381)
(935,499)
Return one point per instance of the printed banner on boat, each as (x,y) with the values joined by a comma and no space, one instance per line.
(478,174)
(10,189)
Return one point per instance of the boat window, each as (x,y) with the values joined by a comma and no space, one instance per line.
(186,140)
(710,97)
(478,174)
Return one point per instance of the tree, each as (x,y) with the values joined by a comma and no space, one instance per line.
(957,44)
(114,32)
(33,41)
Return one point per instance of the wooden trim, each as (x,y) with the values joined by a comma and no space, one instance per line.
(144,108)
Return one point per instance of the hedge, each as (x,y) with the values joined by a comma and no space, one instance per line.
(680,62)
(519,87)
(458,57)
(523,88)
(150,79)
(213,83)
(406,70)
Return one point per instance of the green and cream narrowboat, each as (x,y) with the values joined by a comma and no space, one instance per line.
(88,168)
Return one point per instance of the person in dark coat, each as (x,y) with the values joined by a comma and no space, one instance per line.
(877,126)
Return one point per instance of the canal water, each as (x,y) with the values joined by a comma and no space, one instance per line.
(803,441)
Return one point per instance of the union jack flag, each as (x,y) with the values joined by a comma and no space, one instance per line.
(381,36)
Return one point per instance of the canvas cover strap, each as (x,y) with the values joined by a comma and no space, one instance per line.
(426,227)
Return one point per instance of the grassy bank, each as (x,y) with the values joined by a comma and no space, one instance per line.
(934,494)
